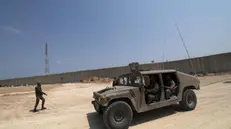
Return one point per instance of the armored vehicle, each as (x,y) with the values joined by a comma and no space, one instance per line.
(141,91)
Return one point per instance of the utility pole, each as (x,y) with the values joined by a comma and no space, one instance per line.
(46,69)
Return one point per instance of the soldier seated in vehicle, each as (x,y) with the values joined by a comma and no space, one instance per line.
(170,83)
(170,87)
(151,91)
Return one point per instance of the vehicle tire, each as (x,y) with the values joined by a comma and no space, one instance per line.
(189,100)
(118,115)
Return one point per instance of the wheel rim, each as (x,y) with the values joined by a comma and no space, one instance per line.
(190,99)
(119,116)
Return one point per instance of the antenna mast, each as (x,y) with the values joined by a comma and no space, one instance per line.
(46,69)
(184,46)
(163,54)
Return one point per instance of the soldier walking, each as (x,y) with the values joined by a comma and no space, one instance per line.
(39,95)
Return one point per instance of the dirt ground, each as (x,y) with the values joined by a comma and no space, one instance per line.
(69,107)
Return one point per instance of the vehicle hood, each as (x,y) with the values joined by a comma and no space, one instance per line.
(115,89)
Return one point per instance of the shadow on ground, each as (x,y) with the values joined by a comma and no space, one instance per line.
(152,115)
(96,121)
(32,110)
(227,81)
(38,110)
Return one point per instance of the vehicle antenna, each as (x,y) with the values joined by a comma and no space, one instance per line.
(181,37)
(163,54)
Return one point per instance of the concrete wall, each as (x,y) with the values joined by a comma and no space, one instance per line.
(209,64)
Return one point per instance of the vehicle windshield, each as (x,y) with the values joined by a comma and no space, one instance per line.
(129,80)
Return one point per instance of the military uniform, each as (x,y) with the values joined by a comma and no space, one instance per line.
(39,95)
(171,85)
(151,96)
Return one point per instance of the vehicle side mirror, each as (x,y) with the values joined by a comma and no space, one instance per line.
(140,89)
(114,82)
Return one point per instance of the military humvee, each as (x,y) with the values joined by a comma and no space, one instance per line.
(130,93)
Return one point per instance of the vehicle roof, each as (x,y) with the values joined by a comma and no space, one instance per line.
(158,71)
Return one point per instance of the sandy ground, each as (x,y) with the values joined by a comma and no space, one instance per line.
(69,107)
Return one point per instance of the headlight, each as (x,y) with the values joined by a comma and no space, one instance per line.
(103,99)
